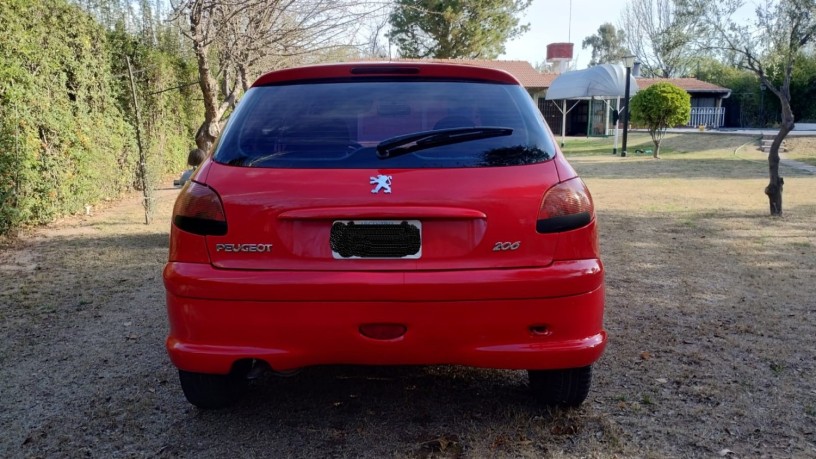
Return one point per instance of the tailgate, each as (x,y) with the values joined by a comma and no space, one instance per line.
(381,219)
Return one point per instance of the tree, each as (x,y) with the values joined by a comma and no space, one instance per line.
(234,41)
(450,29)
(607,45)
(659,36)
(659,107)
(773,44)
(544,67)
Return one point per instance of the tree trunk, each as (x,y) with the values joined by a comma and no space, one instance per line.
(242,75)
(656,153)
(774,192)
(205,137)
(774,188)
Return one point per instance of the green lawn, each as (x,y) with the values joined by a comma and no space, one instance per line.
(586,146)
(673,143)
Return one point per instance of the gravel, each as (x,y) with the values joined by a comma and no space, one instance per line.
(711,316)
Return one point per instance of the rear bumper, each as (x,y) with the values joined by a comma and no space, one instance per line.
(478,318)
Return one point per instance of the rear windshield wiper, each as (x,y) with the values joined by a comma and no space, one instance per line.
(404,144)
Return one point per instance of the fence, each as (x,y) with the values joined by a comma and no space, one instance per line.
(707,116)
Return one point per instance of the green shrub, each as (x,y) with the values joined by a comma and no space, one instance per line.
(659,107)
(66,128)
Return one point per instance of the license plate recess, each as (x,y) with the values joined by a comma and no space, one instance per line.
(381,239)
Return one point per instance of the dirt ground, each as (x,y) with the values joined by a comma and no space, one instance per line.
(711,311)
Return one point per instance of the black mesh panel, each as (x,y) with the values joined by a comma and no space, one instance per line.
(375,240)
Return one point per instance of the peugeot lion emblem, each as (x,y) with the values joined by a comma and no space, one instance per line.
(383,182)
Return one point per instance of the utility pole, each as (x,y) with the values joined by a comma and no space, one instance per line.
(628,62)
(16,155)
(146,191)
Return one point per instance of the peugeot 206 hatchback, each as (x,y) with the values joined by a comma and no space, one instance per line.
(385,214)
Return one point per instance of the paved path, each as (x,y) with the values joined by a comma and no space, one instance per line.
(770,133)
(797,165)
(784,161)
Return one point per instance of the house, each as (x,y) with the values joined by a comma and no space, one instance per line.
(706,99)
(593,117)
(536,83)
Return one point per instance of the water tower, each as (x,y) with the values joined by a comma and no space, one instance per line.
(560,55)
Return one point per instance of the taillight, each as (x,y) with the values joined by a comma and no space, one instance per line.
(565,207)
(198,210)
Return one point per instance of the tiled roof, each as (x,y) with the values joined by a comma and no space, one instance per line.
(689,84)
(527,75)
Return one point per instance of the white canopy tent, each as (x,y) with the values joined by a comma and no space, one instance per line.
(605,81)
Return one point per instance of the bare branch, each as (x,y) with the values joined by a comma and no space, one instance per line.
(235,41)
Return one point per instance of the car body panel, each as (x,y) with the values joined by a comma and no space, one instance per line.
(468,215)
(208,337)
(394,70)
(565,278)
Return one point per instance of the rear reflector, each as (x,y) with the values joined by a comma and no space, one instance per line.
(540,330)
(383,331)
(198,210)
(565,207)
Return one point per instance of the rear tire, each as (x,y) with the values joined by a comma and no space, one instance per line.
(209,391)
(561,388)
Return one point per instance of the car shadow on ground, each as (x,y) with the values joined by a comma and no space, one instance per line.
(358,411)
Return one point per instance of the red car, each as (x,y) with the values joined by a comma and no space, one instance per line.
(385,214)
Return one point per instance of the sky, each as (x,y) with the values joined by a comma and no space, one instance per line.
(550,23)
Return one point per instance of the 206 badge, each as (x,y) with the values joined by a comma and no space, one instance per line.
(383,182)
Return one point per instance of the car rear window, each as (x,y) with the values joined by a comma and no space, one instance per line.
(339,124)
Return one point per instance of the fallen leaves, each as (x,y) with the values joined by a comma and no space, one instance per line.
(445,444)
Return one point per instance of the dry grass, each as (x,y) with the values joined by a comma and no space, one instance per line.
(802,149)
(694,183)
(710,310)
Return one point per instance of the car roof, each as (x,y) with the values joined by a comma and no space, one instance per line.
(396,70)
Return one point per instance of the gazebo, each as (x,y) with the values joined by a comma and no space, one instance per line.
(601,82)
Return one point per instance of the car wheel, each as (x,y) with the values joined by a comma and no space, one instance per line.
(209,391)
(562,388)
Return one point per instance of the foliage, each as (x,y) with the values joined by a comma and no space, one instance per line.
(66,138)
(166,90)
(659,35)
(450,29)
(747,100)
(659,107)
(803,87)
(608,45)
(63,133)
